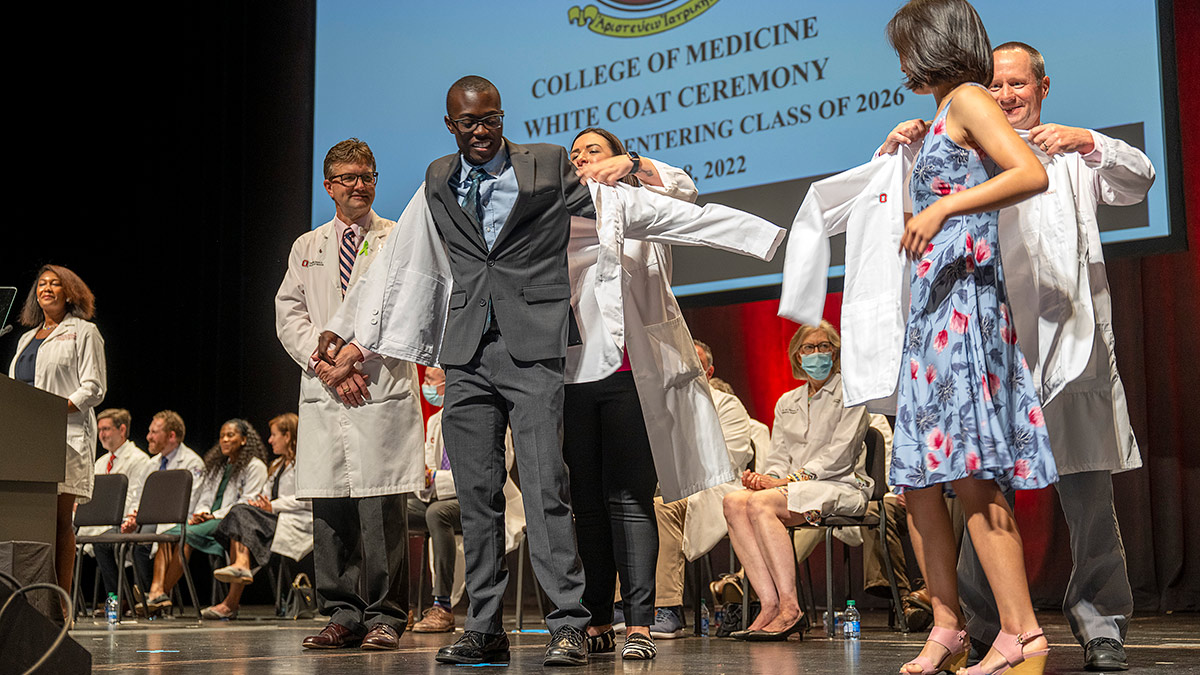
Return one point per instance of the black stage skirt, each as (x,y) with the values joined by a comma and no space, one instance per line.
(253,527)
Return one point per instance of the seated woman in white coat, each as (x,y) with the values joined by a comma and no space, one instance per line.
(234,472)
(817,467)
(273,521)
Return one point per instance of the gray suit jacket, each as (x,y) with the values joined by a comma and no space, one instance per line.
(525,273)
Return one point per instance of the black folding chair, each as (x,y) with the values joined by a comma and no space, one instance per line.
(877,469)
(166,500)
(106,509)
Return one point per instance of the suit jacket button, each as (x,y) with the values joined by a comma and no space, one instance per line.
(491,263)
(483,303)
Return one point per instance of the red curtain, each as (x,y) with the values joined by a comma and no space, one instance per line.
(1156,301)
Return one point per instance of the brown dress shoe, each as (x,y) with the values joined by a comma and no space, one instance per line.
(437,619)
(332,636)
(381,637)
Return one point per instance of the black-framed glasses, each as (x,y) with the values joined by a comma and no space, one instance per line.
(823,347)
(468,124)
(351,179)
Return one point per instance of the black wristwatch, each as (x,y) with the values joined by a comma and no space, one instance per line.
(637,162)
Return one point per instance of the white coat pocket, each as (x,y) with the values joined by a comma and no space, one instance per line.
(674,352)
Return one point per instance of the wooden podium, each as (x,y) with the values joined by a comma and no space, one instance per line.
(33,460)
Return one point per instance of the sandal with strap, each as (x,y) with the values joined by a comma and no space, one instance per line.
(955,643)
(1017,662)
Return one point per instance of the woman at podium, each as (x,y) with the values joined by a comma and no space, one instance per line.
(63,354)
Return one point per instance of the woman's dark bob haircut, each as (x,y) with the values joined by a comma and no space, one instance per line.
(941,42)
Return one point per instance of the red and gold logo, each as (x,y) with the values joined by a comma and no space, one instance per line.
(637,18)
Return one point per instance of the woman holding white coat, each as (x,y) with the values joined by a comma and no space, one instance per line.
(617,428)
(64,355)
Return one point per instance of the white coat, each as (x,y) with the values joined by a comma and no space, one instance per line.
(1054,276)
(344,451)
(619,283)
(825,438)
(399,309)
(704,520)
(294,527)
(241,488)
(70,363)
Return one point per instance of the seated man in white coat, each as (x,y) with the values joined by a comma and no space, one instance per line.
(123,457)
(1088,421)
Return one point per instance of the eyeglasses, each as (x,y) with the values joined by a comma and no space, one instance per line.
(468,124)
(823,347)
(351,179)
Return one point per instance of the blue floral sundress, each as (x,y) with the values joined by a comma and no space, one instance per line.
(967,405)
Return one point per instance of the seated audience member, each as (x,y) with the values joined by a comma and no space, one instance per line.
(233,472)
(123,457)
(166,446)
(816,468)
(272,522)
(674,519)
(435,510)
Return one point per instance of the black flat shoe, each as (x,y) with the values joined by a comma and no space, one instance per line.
(1104,654)
(568,647)
(740,634)
(475,647)
(777,636)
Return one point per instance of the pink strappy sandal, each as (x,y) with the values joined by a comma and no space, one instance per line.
(1011,647)
(955,642)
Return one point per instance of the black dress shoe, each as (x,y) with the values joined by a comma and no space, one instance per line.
(475,647)
(568,647)
(1104,654)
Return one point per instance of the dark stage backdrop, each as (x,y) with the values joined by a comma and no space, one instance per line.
(164,155)
(178,143)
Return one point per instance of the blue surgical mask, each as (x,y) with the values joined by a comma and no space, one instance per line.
(817,365)
(431,394)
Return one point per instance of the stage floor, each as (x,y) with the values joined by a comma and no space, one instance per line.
(259,643)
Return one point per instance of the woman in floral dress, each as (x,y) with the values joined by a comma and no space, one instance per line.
(968,416)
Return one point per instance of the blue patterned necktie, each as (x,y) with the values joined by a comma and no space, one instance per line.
(471,203)
(346,259)
(162,464)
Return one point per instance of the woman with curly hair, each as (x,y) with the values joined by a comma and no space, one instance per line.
(234,472)
(271,522)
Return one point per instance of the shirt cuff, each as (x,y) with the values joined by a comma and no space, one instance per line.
(1095,157)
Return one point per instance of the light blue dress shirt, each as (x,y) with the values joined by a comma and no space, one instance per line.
(497,194)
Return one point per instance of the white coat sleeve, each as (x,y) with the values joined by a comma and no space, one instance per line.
(293,323)
(652,217)
(137,483)
(677,184)
(287,502)
(735,426)
(839,458)
(1123,174)
(93,370)
(252,480)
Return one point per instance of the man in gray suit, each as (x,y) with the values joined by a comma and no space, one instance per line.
(503,211)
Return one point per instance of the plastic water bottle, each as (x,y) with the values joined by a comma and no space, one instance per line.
(718,618)
(851,622)
(704,616)
(112,611)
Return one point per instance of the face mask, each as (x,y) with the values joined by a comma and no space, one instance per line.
(430,393)
(817,365)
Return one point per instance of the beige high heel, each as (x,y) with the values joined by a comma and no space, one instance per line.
(1017,662)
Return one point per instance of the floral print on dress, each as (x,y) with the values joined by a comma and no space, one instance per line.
(966,403)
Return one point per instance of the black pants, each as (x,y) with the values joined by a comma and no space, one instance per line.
(106,561)
(612,489)
(441,518)
(361,545)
